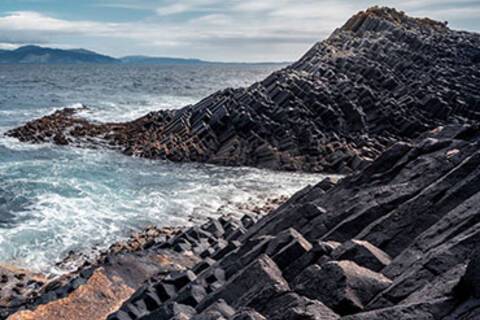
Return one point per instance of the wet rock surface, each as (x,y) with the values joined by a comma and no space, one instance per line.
(381,78)
(397,239)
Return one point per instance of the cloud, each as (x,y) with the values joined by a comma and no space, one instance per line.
(33,21)
(174,8)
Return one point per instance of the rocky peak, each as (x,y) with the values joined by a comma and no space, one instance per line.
(377,19)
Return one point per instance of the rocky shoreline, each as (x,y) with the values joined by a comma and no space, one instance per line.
(391,100)
(20,289)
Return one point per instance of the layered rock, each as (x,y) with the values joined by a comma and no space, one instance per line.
(413,226)
(381,78)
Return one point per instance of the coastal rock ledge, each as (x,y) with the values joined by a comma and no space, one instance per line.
(396,239)
(383,77)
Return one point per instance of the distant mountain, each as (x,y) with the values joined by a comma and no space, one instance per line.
(161,60)
(39,55)
(35,54)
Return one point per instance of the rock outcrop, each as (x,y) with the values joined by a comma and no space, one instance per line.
(408,230)
(382,78)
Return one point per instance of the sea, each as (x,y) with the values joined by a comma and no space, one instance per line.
(55,199)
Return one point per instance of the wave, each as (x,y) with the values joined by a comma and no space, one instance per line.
(80,198)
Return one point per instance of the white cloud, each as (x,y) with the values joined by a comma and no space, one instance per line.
(174,8)
(33,21)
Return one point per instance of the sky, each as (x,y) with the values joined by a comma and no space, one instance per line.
(215,30)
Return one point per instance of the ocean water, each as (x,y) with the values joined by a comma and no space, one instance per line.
(55,199)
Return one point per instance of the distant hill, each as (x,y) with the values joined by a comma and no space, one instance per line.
(39,55)
(35,54)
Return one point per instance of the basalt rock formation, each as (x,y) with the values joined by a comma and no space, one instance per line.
(398,240)
(383,77)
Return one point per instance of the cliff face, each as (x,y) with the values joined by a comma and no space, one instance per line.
(381,78)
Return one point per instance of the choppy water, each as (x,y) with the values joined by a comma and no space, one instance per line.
(54,199)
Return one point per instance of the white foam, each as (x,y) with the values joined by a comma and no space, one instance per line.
(81,198)
(108,111)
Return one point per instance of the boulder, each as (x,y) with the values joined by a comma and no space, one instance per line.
(319,254)
(344,286)
(256,283)
(291,306)
(431,310)
(171,310)
(363,253)
(217,311)
(247,314)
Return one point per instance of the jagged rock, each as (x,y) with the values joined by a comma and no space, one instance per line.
(256,283)
(286,247)
(292,306)
(191,295)
(247,314)
(469,310)
(469,285)
(180,279)
(171,310)
(343,286)
(218,310)
(431,310)
(320,250)
(363,253)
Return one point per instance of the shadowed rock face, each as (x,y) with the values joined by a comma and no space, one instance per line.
(381,78)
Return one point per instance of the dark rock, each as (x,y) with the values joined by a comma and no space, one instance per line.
(165,291)
(218,310)
(363,253)
(191,295)
(259,281)
(469,285)
(292,306)
(203,265)
(436,309)
(247,314)
(180,279)
(320,249)
(343,286)
(248,221)
(171,310)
